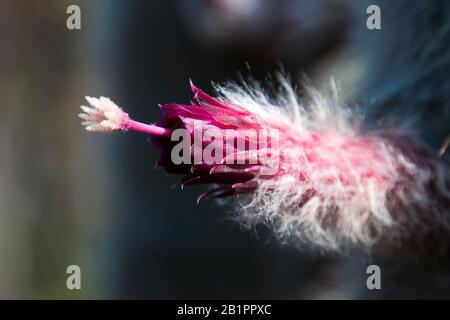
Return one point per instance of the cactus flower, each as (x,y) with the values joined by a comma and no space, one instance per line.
(305,168)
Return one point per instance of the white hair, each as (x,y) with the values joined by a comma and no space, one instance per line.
(397,192)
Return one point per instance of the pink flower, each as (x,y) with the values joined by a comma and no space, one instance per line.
(308,171)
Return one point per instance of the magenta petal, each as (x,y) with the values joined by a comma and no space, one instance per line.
(216,115)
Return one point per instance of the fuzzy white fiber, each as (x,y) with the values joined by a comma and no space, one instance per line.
(348,188)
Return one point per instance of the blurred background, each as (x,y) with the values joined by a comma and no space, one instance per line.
(96,201)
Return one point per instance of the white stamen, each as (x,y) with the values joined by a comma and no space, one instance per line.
(103,115)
